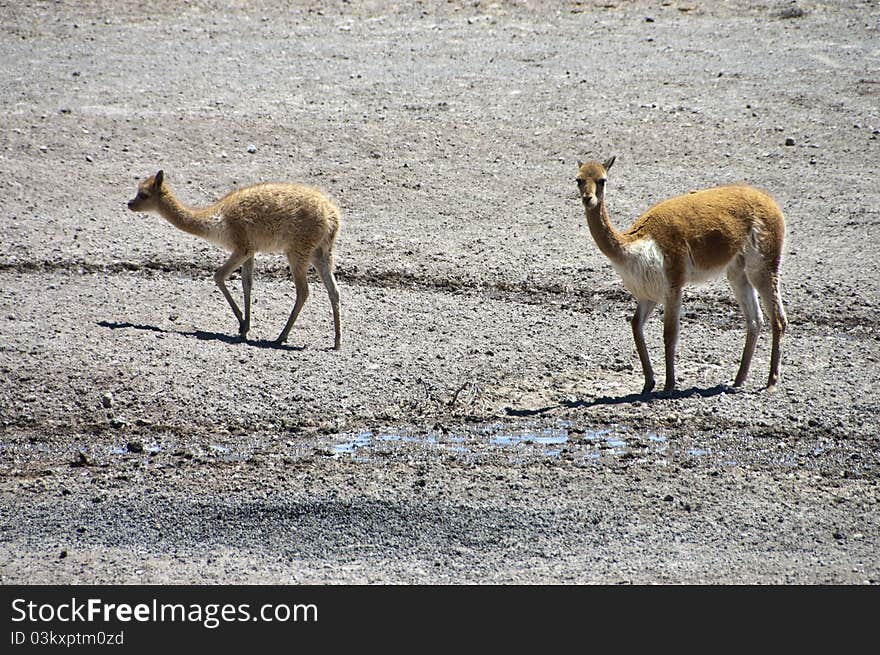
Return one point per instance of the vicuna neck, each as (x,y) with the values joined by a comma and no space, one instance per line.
(193,221)
(607,238)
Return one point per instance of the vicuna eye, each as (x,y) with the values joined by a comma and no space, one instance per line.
(601,181)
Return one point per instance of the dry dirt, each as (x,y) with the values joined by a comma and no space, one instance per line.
(482,422)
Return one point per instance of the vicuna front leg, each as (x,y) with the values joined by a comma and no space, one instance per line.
(643,311)
(245,260)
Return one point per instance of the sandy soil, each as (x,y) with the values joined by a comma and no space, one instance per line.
(481,423)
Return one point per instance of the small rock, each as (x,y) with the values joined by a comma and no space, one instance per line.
(107,400)
(252,149)
(135,447)
(668,499)
(789,141)
(62,554)
(792,12)
(81,460)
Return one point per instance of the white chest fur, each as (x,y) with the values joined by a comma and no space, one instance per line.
(643,273)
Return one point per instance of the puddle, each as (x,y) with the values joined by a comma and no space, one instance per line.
(126,450)
(360,440)
(548,437)
(530,441)
(367,439)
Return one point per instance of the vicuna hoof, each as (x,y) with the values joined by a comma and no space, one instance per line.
(667,392)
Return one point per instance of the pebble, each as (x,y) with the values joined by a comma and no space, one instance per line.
(107,400)
(81,460)
(252,149)
(789,141)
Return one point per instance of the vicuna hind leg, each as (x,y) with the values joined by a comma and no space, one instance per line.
(247,283)
(671,326)
(768,287)
(299,269)
(236,259)
(747,299)
(323,262)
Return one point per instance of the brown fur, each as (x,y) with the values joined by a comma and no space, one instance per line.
(293,219)
(737,230)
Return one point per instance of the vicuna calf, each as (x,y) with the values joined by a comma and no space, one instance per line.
(296,220)
(736,230)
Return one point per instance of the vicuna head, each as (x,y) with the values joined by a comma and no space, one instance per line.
(591,179)
(148,193)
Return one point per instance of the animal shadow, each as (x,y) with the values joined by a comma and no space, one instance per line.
(202,335)
(628,399)
(699,392)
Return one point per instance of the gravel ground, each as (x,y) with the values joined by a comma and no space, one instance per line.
(481,423)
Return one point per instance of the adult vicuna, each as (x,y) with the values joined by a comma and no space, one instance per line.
(293,219)
(736,230)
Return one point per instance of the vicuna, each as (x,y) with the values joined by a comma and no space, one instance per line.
(296,220)
(735,230)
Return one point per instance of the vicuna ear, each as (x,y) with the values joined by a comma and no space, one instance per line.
(608,163)
(160,176)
